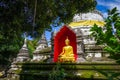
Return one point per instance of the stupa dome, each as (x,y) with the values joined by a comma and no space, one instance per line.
(88,19)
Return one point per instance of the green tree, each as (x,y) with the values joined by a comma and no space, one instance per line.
(109,35)
(33,17)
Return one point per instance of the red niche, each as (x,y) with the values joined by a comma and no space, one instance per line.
(59,41)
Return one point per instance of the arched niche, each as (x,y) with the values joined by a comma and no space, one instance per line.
(59,41)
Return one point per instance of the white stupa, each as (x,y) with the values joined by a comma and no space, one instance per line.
(81,25)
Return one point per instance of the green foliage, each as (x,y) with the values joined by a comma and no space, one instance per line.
(23,16)
(57,73)
(110,38)
(65,71)
(109,35)
(89,74)
(98,34)
(110,75)
(20,16)
(32,46)
(9,50)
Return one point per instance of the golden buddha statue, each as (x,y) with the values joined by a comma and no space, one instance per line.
(67,54)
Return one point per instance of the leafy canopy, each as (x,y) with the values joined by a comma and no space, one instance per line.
(33,17)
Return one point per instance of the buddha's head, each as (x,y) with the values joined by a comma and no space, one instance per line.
(67,41)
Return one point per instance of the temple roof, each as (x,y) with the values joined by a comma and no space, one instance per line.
(87,19)
(43,39)
(24,50)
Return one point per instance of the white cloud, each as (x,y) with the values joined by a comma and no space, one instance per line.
(109,4)
(102,3)
(112,5)
(117,1)
(105,14)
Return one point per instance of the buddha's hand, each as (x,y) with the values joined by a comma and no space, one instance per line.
(60,55)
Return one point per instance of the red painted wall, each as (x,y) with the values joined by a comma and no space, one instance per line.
(59,41)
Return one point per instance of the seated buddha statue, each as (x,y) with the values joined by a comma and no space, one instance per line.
(67,54)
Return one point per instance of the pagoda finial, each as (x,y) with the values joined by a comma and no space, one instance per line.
(43,35)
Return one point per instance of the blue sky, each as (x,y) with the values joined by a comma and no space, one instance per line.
(102,6)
